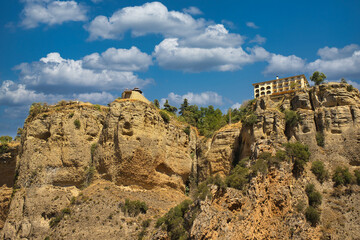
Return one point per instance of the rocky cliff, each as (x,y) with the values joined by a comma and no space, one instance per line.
(78,163)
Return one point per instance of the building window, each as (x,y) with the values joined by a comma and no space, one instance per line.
(268,87)
(262,93)
(256,86)
(262,88)
(268,92)
(257,95)
(257,90)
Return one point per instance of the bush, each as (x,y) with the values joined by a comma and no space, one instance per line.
(4,148)
(202,191)
(299,154)
(357,176)
(165,116)
(238,177)
(260,166)
(97,107)
(37,108)
(133,208)
(291,118)
(312,215)
(349,88)
(5,139)
(174,221)
(315,199)
(250,120)
(77,123)
(313,195)
(187,130)
(342,176)
(71,115)
(320,140)
(318,169)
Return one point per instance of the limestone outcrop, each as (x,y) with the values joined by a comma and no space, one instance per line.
(77,163)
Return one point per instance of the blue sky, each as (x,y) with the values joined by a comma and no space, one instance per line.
(209,52)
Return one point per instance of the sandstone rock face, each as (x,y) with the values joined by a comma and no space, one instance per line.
(138,148)
(84,172)
(265,211)
(218,153)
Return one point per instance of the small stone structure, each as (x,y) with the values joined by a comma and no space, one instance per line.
(136,93)
(280,86)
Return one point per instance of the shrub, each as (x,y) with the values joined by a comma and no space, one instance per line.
(320,140)
(349,88)
(318,169)
(291,118)
(312,215)
(187,130)
(238,177)
(89,175)
(165,116)
(5,139)
(250,119)
(260,166)
(357,176)
(313,195)
(202,191)
(342,176)
(280,155)
(315,199)
(174,221)
(133,208)
(77,123)
(97,107)
(37,108)
(71,115)
(4,148)
(299,154)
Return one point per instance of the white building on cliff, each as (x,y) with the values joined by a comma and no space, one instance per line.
(280,86)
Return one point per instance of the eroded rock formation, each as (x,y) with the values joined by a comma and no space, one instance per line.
(81,163)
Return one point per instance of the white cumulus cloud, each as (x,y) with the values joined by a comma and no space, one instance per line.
(51,12)
(12,93)
(118,59)
(213,36)
(279,64)
(149,18)
(203,99)
(170,55)
(55,72)
(336,63)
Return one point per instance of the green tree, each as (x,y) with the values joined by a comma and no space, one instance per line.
(318,77)
(169,108)
(5,139)
(156,103)
(291,118)
(299,154)
(19,133)
(343,80)
(184,106)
